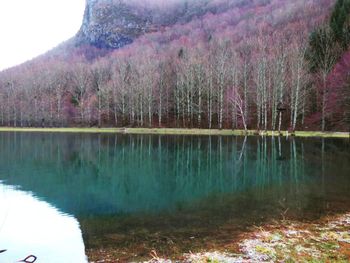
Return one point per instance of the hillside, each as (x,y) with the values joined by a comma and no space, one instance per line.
(208,64)
(114,24)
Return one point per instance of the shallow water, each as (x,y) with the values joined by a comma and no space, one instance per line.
(30,226)
(174,194)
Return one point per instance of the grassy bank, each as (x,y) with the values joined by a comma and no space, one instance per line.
(326,240)
(174,131)
(322,241)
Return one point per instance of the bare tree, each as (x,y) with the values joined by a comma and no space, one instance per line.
(298,82)
(81,77)
(238,103)
(101,76)
(323,53)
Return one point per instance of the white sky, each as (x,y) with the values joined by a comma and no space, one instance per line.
(29,28)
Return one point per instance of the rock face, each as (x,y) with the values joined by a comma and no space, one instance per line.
(113,24)
(110,24)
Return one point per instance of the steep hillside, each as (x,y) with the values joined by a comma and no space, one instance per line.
(111,25)
(214,63)
(115,23)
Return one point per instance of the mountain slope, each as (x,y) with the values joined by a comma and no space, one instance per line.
(116,23)
(214,63)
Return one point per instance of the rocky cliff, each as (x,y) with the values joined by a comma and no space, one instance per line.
(115,23)
(110,24)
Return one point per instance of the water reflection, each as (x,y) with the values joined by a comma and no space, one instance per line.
(29,226)
(107,174)
(125,189)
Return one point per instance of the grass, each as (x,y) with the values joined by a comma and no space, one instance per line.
(321,241)
(176,131)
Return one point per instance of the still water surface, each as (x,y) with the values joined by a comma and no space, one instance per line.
(63,193)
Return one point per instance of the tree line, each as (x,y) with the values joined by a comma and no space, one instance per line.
(208,78)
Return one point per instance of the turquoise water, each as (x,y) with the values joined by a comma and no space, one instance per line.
(136,193)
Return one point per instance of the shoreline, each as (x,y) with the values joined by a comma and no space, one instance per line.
(181,131)
(324,240)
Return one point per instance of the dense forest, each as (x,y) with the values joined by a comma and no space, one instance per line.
(262,64)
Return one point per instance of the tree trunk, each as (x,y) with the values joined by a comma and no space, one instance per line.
(280,122)
(323,124)
(160,104)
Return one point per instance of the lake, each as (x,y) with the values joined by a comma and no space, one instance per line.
(63,194)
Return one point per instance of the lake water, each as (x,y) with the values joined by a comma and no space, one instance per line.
(63,193)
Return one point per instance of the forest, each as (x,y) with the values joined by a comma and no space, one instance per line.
(263,64)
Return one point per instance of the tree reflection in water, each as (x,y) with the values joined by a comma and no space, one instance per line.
(131,188)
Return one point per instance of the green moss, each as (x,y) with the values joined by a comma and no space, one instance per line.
(212,260)
(289,260)
(265,250)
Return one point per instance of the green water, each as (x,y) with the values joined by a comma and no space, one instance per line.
(136,193)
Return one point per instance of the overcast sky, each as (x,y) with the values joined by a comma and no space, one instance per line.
(29,28)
